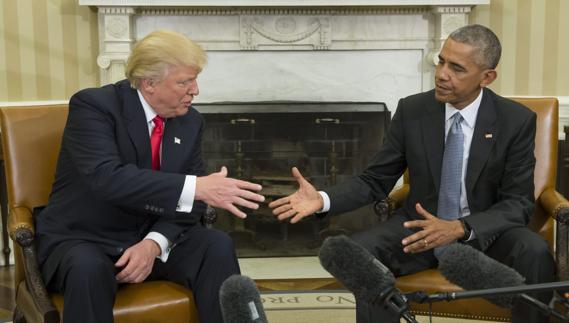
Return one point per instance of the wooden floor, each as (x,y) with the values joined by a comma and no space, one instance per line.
(6,292)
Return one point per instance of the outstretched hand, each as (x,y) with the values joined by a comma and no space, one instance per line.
(218,190)
(434,232)
(302,203)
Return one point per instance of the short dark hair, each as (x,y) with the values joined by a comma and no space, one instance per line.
(484,40)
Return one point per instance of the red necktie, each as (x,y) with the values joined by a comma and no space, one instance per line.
(156,140)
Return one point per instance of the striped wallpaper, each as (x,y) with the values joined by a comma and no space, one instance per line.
(48,48)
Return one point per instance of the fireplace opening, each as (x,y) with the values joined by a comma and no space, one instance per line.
(329,142)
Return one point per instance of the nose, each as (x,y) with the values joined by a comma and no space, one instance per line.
(441,72)
(194,88)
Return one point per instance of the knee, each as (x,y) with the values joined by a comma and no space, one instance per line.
(219,243)
(91,270)
(536,250)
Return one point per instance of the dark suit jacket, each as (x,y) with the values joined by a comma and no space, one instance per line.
(105,191)
(499,176)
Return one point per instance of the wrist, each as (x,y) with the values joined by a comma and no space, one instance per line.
(154,247)
(466,230)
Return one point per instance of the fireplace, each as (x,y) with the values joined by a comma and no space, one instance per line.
(261,141)
(271,52)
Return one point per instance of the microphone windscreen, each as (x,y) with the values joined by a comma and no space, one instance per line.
(240,301)
(355,267)
(471,269)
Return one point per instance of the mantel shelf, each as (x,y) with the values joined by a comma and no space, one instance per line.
(281,3)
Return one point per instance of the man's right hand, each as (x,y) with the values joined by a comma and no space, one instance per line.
(302,203)
(218,190)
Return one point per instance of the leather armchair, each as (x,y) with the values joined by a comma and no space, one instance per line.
(552,210)
(31,138)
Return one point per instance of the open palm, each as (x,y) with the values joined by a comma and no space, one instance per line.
(302,203)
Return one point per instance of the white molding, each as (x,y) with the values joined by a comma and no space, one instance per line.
(31,103)
(280,3)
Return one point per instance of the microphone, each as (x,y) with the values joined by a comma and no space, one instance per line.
(240,301)
(362,274)
(471,269)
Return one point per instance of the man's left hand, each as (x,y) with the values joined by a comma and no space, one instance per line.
(137,262)
(434,232)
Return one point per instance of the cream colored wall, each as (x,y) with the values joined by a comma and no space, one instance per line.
(535,41)
(48,48)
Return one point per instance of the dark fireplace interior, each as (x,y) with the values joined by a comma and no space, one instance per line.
(261,141)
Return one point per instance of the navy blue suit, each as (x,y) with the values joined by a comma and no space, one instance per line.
(106,197)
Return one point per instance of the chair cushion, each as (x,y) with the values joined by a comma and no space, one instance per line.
(431,281)
(154,301)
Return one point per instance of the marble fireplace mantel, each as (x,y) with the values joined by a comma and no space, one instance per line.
(313,50)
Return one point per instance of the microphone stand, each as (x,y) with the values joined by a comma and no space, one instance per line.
(397,304)
(421,297)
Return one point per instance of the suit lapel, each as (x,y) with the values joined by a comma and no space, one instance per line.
(485,134)
(173,144)
(433,125)
(137,127)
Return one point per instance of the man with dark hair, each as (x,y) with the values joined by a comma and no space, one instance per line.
(130,189)
(470,157)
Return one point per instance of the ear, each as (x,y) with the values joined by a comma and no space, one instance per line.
(147,85)
(488,76)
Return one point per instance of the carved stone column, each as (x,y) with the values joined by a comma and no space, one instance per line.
(116,37)
(447,19)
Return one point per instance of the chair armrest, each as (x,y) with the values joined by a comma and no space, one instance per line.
(209,218)
(21,231)
(20,218)
(557,206)
(384,208)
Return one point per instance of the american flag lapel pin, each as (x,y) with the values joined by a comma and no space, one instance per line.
(488,136)
(177,140)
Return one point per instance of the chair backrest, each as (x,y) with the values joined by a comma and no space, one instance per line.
(546,140)
(31,138)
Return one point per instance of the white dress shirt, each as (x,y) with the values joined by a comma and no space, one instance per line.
(186,201)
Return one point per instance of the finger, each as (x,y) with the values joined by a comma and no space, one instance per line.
(248,186)
(223,171)
(296,174)
(423,212)
(279,202)
(245,203)
(287,214)
(416,247)
(141,277)
(231,208)
(281,209)
(415,224)
(418,236)
(122,276)
(299,216)
(248,195)
(123,259)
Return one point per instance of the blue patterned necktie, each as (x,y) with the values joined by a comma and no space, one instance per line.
(451,174)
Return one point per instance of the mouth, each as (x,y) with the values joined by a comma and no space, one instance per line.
(441,88)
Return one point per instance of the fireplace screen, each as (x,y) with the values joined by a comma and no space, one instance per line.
(262,141)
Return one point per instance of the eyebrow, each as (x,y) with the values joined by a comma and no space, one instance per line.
(451,62)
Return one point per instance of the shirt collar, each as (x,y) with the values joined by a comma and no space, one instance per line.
(468,113)
(148,111)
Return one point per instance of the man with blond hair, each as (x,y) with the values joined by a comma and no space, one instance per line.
(130,189)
